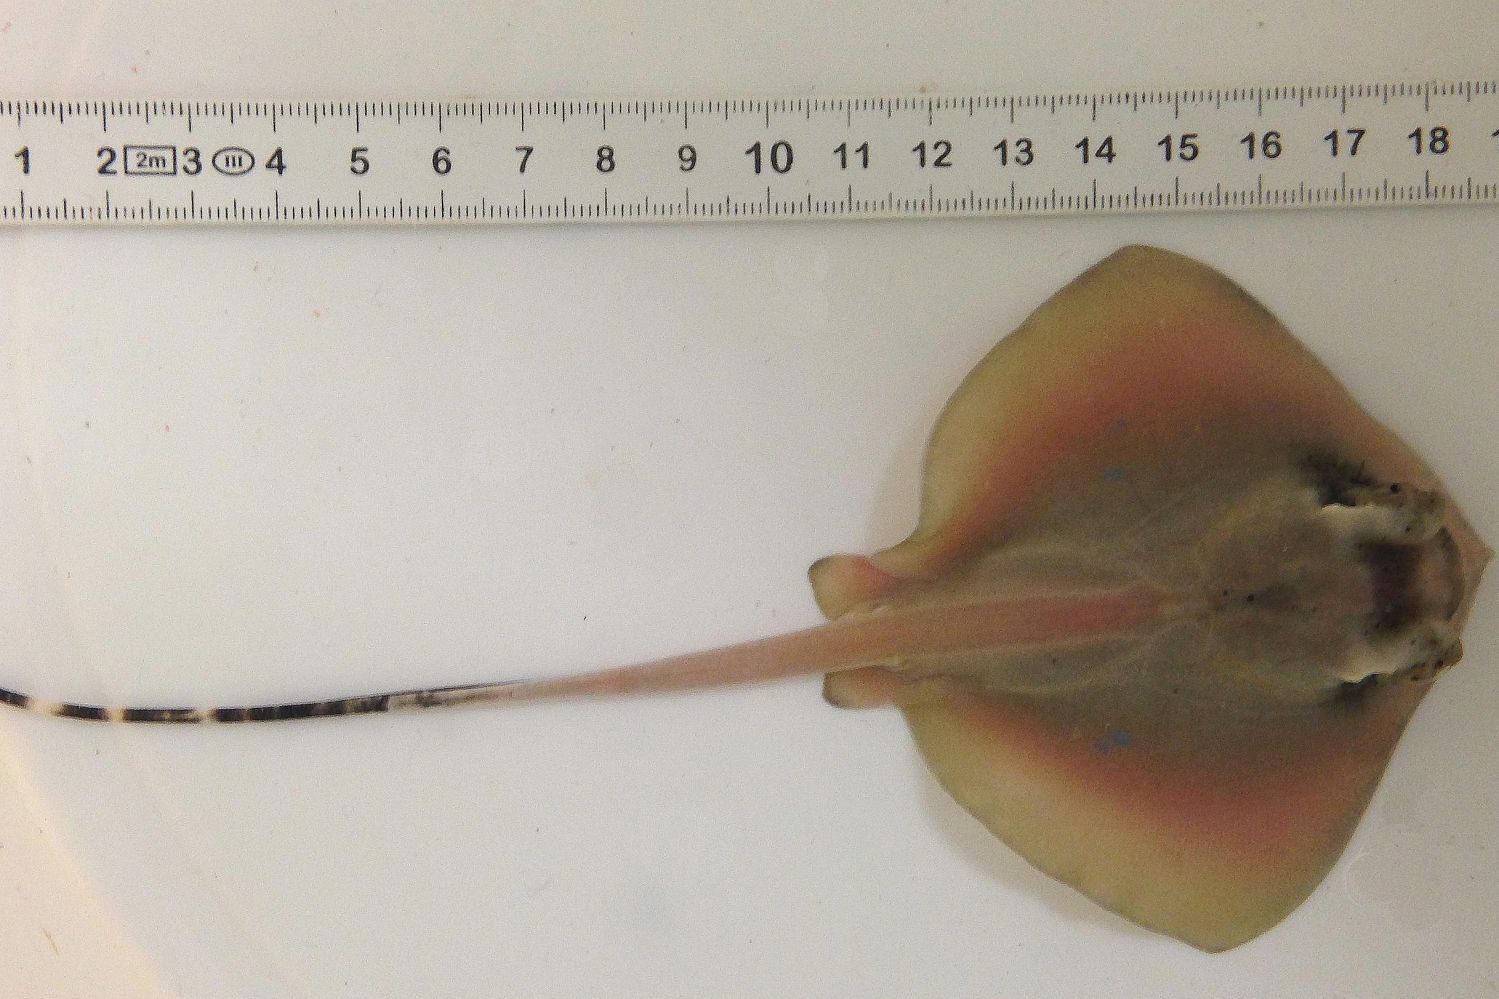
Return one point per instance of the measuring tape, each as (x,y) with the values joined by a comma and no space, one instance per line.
(412,162)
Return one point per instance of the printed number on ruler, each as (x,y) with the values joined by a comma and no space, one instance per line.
(163,162)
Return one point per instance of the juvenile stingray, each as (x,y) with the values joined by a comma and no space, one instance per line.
(1172,597)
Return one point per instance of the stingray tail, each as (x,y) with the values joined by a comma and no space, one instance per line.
(360,705)
(856,640)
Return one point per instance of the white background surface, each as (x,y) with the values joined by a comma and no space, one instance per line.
(284,464)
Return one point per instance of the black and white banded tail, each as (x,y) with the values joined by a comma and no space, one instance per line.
(362,705)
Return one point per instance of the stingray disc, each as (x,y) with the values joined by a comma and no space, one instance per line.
(1152,433)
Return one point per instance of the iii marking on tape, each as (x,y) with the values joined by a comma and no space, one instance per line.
(163,162)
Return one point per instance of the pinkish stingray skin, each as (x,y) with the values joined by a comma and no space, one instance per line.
(1170,602)
(1198,771)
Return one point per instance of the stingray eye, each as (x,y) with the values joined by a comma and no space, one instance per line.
(1361,510)
(1338,482)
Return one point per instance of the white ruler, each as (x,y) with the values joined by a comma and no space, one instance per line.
(155,162)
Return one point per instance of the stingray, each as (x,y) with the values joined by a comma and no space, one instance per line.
(1171,598)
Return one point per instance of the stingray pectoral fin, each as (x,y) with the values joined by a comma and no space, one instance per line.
(1206,822)
(1124,385)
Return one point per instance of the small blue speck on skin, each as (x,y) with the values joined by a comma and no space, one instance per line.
(1116,738)
(1114,474)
